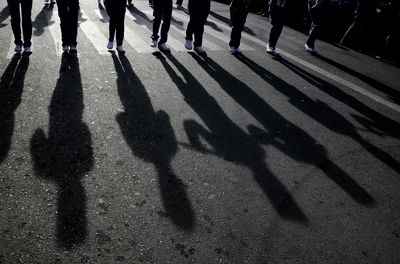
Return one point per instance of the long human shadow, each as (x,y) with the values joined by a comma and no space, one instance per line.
(372,120)
(4,14)
(11,88)
(42,20)
(324,114)
(281,133)
(393,93)
(228,140)
(151,137)
(104,16)
(65,154)
(142,18)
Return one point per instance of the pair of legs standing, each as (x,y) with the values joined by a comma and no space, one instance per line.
(24,8)
(68,12)
(162,12)
(239,14)
(198,11)
(317,14)
(116,11)
(277,16)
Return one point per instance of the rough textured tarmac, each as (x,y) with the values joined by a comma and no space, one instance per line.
(150,157)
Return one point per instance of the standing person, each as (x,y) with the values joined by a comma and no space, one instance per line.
(68,12)
(198,11)
(277,15)
(316,9)
(162,11)
(24,8)
(239,10)
(116,11)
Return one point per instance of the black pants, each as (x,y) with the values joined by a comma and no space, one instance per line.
(116,11)
(162,11)
(317,17)
(238,19)
(198,17)
(68,13)
(277,15)
(26,8)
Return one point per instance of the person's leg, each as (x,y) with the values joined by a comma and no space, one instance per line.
(316,17)
(157,7)
(192,21)
(120,23)
(63,14)
(26,7)
(73,14)
(109,5)
(202,19)
(238,19)
(13,6)
(277,21)
(166,17)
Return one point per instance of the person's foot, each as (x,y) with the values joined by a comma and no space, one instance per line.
(199,49)
(238,51)
(120,49)
(189,44)
(66,48)
(153,43)
(72,48)
(28,50)
(232,50)
(310,49)
(271,50)
(179,6)
(46,2)
(110,45)
(163,47)
(18,48)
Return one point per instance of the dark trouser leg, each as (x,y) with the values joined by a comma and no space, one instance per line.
(316,16)
(73,15)
(26,6)
(120,24)
(202,19)
(157,12)
(167,13)
(110,6)
(238,19)
(13,6)
(63,14)
(277,21)
(179,2)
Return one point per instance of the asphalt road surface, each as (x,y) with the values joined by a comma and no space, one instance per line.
(150,157)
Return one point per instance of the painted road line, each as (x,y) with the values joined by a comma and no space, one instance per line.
(55,31)
(94,34)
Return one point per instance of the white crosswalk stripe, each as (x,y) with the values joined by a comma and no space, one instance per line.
(93,33)
(55,31)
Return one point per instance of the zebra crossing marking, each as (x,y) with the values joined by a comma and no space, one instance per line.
(93,33)
(55,31)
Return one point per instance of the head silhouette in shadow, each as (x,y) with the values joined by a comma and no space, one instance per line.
(151,138)
(64,154)
(228,140)
(11,88)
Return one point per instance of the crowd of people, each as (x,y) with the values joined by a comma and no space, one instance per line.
(198,10)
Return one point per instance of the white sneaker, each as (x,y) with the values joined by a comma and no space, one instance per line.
(153,43)
(199,49)
(28,50)
(66,48)
(232,50)
(18,48)
(163,47)
(309,49)
(110,45)
(189,44)
(120,49)
(72,48)
(271,50)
